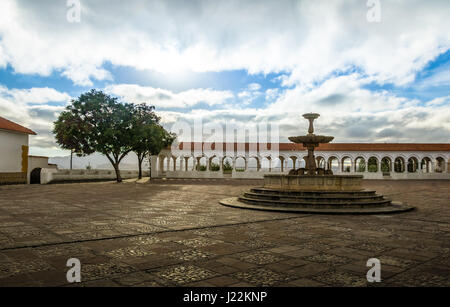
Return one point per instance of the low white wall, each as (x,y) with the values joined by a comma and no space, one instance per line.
(260,175)
(38,162)
(52,175)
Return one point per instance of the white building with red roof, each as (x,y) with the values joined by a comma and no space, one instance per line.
(13,152)
(16,166)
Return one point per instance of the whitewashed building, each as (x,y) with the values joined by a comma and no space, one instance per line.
(13,152)
(249,160)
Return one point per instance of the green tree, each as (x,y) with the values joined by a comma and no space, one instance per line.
(96,122)
(158,139)
(144,120)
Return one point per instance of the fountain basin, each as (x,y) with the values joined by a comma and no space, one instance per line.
(314,183)
(311,139)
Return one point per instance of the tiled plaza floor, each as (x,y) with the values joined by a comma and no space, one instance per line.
(174,233)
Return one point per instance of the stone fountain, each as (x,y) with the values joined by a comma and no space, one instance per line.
(314,190)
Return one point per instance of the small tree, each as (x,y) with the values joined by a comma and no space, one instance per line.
(160,138)
(143,130)
(96,122)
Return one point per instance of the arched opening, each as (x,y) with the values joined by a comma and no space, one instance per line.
(227,165)
(333,164)
(372,165)
(179,163)
(321,162)
(252,164)
(276,165)
(214,164)
(412,165)
(301,163)
(265,164)
(190,164)
(35,176)
(201,165)
(289,163)
(171,166)
(440,165)
(425,165)
(360,164)
(399,165)
(239,164)
(346,165)
(386,165)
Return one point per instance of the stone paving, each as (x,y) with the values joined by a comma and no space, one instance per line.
(174,233)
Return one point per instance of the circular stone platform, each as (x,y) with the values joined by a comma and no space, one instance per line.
(319,201)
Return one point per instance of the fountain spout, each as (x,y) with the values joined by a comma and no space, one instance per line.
(311,117)
(311,141)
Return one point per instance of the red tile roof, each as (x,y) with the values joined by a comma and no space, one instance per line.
(9,125)
(330,146)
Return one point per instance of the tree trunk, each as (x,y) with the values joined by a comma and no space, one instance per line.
(116,168)
(150,166)
(140,167)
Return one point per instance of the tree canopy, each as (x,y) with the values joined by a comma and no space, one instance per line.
(97,122)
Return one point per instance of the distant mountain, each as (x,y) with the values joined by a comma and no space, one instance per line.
(96,161)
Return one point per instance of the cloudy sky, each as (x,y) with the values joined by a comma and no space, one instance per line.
(373,77)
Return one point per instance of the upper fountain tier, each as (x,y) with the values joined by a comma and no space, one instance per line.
(311,138)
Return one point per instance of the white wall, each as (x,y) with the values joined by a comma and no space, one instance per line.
(38,162)
(11,151)
(51,175)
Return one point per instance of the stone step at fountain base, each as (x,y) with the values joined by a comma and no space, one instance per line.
(324,202)
(377,200)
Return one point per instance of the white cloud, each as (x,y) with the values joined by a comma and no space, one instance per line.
(163,98)
(254,86)
(311,39)
(30,108)
(34,95)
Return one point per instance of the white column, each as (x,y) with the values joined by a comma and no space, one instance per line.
(153,166)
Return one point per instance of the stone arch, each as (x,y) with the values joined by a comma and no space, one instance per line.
(372,164)
(399,165)
(214,164)
(360,164)
(440,165)
(171,163)
(346,164)
(227,164)
(240,164)
(321,162)
(426,165)
(413,164)
(190,163)
(179,163)
(291,162)
(35,176)
(253,164)
(162,163)
(265,163)
(386,164)
(202,164)
(333,164)
(276,164)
